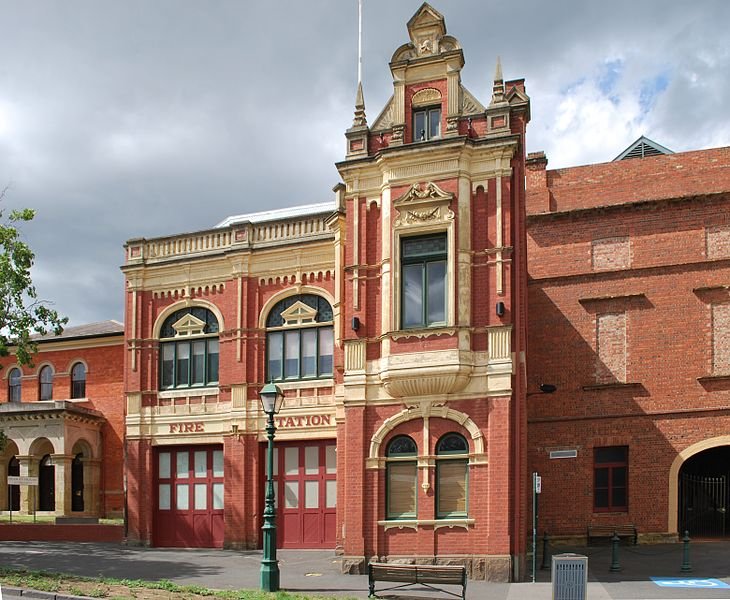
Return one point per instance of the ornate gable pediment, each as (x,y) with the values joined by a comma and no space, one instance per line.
(471,106)
(189,325)
(423,204)
(299,314)
(385,118)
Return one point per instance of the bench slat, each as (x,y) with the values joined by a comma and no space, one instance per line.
(417,574)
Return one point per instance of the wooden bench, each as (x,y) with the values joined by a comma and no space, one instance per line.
(607,531)
(426,575)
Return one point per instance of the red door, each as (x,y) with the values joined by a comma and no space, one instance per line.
(189,497)
(305,481)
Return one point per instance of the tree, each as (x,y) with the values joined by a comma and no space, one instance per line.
(21,313)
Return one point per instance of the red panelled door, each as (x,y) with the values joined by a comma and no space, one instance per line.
(306,491)
(189,497)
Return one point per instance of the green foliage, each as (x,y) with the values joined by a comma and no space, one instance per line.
(3,440)
(22,314)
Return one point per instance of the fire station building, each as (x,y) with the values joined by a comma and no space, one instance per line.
(454,319)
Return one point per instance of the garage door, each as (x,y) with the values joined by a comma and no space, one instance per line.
(305,475)
(189,497)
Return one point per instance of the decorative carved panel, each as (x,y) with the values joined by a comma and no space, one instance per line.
(423,204)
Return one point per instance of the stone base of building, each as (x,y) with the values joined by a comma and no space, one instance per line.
(481,567)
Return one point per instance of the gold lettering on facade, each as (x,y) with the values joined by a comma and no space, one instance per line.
(197,427)
(303,421)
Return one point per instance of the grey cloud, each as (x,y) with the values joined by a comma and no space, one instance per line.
(144,118)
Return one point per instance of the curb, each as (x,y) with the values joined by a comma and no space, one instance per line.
(14,592)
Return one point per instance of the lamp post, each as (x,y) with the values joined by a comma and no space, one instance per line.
(271,397)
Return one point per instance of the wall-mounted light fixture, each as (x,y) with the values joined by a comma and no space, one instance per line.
(500,309)
(548,388)
(355,323)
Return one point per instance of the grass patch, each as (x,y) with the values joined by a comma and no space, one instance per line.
(130,589)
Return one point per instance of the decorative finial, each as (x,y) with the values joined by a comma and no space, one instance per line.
(498,87)
(360,120)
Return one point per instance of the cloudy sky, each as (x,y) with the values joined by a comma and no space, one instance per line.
(143,118)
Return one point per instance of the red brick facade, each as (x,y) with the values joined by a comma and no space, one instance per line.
(457,319)
(628,268)
(86,425)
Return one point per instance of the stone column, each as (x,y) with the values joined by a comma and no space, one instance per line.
(28,494)
(62,464)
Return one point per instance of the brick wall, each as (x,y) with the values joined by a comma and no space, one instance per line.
(646,322)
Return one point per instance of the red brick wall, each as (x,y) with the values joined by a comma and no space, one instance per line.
(104,393)
(633,180)
(665,405)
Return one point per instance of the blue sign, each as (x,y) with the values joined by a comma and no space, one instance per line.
(686,582)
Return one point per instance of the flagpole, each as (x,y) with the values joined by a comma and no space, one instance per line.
(359,41)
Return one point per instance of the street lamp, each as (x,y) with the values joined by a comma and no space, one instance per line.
(271,398)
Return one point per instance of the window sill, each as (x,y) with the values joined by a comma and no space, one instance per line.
(609,386)
(189,391)
(608,513)
(295,384)
(719,377)
(422,332)
(435,523)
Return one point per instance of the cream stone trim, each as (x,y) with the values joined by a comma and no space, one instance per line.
(12,366)
(427,410)
(421,333)
(190,391)
(673,503)
(435,523)
(45,363)
(419,169)
(134,329)
(82,343)
(426,96)
(239,315)
(355,352)
(293,291)
(74,361)
(187,303)
(422,210)
(134,403)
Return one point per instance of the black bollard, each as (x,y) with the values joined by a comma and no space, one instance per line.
(544,563)
(686,567)
(615,566)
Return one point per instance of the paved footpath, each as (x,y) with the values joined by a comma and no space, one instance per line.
(317,571)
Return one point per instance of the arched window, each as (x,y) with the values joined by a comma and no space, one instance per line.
(401,478)
(189,349)
(14,385)
(452,468)
(45,383)
(299,338)
(78,381)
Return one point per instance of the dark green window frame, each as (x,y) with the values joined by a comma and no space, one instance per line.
(304,350)
(312,366)
(401,454)
(424,269)
(189,361)
(175,353)
(452,452)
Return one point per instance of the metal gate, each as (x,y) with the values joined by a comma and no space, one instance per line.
(704,505)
